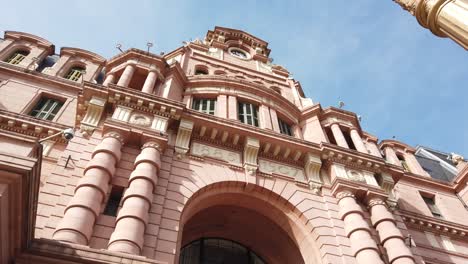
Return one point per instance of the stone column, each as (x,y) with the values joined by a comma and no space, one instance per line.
(338,135)
(444,18)
(364,248)
(81,213)
(391,156)
(132,220)
(148,87)
(109,79)
(126,75)
(389,234)
(357,140)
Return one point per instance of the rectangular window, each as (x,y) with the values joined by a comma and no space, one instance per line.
(114,201)
(248,114)
(432,206)
(46,108)
(206,106)
(284,127)
(74,74)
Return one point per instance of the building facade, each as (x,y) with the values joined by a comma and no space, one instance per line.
(207,154)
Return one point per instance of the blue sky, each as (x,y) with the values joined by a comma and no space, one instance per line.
(372,55)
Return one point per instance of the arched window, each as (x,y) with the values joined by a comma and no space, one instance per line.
(217,250)
(17,57)
(75,73)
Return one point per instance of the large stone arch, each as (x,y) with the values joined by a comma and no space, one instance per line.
(257,200)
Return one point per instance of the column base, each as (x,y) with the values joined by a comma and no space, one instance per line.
(70,236)
(124,246)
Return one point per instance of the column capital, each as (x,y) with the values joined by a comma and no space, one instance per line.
(344,194)
(114,134)
(376,201)
(151,144)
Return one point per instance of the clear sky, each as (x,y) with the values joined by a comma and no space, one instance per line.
(404,81)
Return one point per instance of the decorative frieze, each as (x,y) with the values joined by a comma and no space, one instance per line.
(270,167)
(251,147)
(183,137)
(228,156)
(93,115)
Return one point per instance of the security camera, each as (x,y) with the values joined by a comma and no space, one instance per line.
(68,134)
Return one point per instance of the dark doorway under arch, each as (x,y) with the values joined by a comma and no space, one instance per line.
(217,251)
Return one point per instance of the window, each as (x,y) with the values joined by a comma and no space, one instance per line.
(284,127)
(248,114)
(403,163)
(75,73)
(432,206)
(114,200)
(238,53)
(206,106)
(46,108)
(201,70)
(349,140)
(17,57)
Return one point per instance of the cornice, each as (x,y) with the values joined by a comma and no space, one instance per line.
(313,110)
(335,154)
(341,114)
(27,125)
(432,224)
(26,73)
(208,59)
(425,181)
(369,137)
(140,55)
(396,144)
(83,53)
(230,33)
(16,35)
(225,81)
(461,180)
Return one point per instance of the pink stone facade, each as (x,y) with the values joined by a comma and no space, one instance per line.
(150,169)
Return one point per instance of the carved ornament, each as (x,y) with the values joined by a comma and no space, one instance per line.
(270,167)
(183,137)
(203,150)
(93,115)
(251,147)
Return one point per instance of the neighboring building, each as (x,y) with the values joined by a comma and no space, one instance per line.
(444,18)
(207,154)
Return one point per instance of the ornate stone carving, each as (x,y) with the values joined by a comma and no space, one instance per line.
(271,167)
(151,144)
(251,147)
(93,115)
(376,201)
(183,137)
(203,150)
(140,120)
(160,123)
(355,176)
(312,170)
(456,158)
(343,194)
(122,113)
(114,134)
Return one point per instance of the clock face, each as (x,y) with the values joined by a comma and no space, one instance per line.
(239,53)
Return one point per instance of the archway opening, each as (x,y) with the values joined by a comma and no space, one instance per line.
(251,222)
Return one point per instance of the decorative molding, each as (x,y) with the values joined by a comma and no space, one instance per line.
(312,169)
(343,194)
(270,167)
(376,201)
(140,120)
(183,137)
(251,147)
(387,184)
(439,226)
(202,150)
(151,144)
(93,115)
(160,123)
(122,113)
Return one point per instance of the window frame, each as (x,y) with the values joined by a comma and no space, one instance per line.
(198,103)
(244,115)
(13,58)
(75,73)
(285,128)
(430,202)
(42,103)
